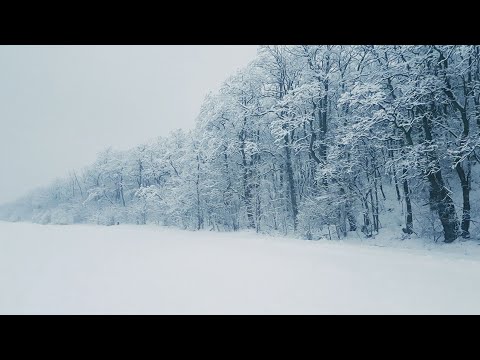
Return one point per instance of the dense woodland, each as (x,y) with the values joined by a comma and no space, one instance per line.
(305,139)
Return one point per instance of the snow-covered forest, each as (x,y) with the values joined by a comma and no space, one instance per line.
(306,140)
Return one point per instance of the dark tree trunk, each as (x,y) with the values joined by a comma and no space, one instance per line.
(439,195)
(121,191)
(390,155)
(396,183)
(464,181)
(465,226)
(291,184)
(374,215)
(352,222)
(406,192)
(366,228)
(323,133)
(140,170)
(406,188)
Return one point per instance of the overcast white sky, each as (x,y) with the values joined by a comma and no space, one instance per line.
(61,105)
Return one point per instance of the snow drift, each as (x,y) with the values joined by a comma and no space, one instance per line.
(86,269)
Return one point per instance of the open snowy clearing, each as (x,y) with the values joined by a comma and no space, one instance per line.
(83,269)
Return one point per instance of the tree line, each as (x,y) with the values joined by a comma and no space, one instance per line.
(304,139)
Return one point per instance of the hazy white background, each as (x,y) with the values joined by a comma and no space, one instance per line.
(61,105)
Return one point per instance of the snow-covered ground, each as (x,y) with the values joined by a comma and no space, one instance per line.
(79,269)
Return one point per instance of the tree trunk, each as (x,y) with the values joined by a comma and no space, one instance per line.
(464,181)
(197,183)
(406,188)
(121,191)
(343,214)
(291,184)
(439,195)
(396,183)
(247,187)
(458,167)
(406,192)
